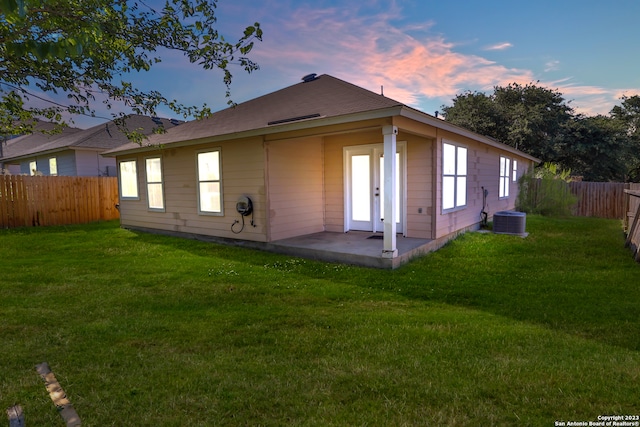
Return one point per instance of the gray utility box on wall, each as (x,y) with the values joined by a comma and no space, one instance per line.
(510,222)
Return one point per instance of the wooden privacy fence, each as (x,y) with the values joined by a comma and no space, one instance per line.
(632,204)
(56,200)
(600,199)
(632,223)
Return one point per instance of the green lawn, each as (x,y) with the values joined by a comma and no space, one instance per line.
(148,330)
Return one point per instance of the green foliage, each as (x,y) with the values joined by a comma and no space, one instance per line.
(86,48)
(545,191)
(475,111)
(528,117)
(627,116)
(539,122)
(597,149)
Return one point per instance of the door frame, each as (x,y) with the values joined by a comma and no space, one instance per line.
(376,207)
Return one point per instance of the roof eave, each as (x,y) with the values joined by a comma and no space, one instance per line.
(268,130)
(47,153)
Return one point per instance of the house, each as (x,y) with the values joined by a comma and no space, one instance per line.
(11,145)
(319,161)
(73,152)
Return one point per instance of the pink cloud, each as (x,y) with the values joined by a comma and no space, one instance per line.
(371,51)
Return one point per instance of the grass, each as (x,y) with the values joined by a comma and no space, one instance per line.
(149,330)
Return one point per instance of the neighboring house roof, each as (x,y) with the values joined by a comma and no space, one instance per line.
(101,137)
(315,102)
(25,143)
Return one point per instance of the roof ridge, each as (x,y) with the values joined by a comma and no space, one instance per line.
(361,89)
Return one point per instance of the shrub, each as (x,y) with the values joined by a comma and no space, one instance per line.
(545,191)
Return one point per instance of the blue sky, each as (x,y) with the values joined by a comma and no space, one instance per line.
(424,52)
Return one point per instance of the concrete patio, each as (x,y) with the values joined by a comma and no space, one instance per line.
(354,247)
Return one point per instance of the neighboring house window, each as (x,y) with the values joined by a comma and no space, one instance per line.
(128,180)
(515,170)
(505,170)
(154,183)
(454,176)
(209,183)
(53,166)
(33,168)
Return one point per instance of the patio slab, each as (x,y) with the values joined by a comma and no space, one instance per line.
(354,247)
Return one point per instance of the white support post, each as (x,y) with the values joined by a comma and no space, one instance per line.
(389,242)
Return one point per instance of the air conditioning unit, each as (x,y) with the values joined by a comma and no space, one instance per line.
(510,222)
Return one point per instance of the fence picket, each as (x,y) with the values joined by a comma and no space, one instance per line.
(56,200)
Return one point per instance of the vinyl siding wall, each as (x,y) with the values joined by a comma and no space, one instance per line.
(419,189)
(295,187)
(65,161)
(483,170)
(419,186)
(91,163)
(297,184)
(334,173)
(243,174)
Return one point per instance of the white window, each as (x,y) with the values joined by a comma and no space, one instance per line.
(128,180)
(505,170)
(155,197)
(454,176)
(33,168)
(53,166)
(515,171)
(209,183)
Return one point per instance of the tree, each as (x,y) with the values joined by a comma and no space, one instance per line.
(596,148)
(537,121)
(474,111)
(529,118)
(87,47)
(627,115)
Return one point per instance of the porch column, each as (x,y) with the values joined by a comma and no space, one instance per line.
(389,249)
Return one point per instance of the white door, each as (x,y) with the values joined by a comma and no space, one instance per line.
(364,192)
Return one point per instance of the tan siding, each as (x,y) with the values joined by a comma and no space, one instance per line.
(304,184)
(483,171)
(242,174)
(295,180)
(334,171)
(407,125)
(419,186)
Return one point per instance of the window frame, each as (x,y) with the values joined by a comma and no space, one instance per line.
(154,183)
(53,161)
(121,181)
(515,170)
(217,150)
(457,175)
(504,174)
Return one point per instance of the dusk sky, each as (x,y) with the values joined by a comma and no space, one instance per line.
(424,52)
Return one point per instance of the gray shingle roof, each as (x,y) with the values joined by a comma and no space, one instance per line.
(101,137)
(326,96)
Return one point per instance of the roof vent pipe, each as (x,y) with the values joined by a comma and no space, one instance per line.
(309,77)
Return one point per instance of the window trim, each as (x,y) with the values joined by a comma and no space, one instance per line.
(504,174)
(120,180)
(55,164)
(198,182)
(456,175)
(161,182)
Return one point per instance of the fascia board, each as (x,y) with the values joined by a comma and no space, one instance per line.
(269,130)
